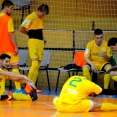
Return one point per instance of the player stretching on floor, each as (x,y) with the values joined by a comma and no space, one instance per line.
(4,74)
(73,97)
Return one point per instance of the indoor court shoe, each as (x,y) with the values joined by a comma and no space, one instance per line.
(108,92)
(38,91)
(28,89)
(20,91)
(6,97)
(33,95)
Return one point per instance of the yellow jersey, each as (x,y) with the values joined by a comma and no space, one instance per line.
(92,51)
(34,25)
(76,89)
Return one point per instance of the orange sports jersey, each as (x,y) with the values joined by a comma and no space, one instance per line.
(92,51)
(76,89)
(5,42)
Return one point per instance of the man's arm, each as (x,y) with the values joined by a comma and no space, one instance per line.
(13,40)
(23,30)
(90,63)
(105,56)
(17,77)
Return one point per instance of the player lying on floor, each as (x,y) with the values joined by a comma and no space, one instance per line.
(74,93)
(5,74)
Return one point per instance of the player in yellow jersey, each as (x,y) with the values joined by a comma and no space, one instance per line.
(4,74)
(33,26)
(8,42)
(112,43)
(98,55)
(73,96)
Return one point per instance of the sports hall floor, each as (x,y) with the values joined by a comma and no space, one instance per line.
(43,107)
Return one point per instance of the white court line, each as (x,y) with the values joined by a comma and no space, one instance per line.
(47,105)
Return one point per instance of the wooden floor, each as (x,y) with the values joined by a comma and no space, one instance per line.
(43,107)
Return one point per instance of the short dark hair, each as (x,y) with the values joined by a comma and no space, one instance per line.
(112,41)
(6,3)
(4,56)
(44,8)
(98,32)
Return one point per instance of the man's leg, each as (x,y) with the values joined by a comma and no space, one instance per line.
(34,69)
(86,72)
(107,80)
(15,68)
(104,106)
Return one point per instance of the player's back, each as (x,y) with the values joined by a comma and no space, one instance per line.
(75,89)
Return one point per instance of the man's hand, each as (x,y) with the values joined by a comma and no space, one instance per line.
(92,94)
(29,82)
(16,51)
(93,68)
(45,41)
(101,55)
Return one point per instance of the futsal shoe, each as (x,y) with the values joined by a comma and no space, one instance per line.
(108,92)
(20,91)
(6,97)
(38,91)
(33,95)
(32,92)
(28,89)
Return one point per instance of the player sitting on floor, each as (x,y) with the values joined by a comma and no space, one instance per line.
(73,97)
(5,74)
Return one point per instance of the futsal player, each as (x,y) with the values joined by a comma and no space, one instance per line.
(98,56)
(33,26)
(4,74)
(74,93)
(8,42)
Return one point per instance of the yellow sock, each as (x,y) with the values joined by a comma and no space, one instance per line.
(19,96)
(114,78)
(34,67)
(87,74)
(2,84)
(106,79)
(108,106)
(17,84)
(36,73)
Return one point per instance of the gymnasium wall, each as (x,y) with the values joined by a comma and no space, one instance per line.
(69,25)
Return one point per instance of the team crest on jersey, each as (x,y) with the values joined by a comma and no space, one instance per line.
(26,22)
(103,49)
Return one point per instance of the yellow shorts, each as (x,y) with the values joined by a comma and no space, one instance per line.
(36,48)
(14,58)
(81,106)
(99,66)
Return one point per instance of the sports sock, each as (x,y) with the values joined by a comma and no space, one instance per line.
(36,73)
(106,79)
(108,106)
(86,73)
(17,84)
(32,70)
(19,96)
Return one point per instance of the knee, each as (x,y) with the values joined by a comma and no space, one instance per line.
(113,73)
(108,67)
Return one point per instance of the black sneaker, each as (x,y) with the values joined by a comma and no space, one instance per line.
(33,95)
(108,92)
